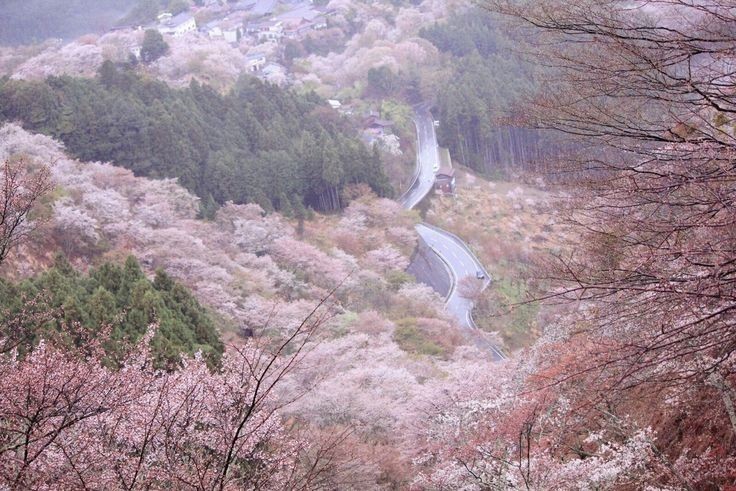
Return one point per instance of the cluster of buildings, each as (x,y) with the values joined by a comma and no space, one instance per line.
(255,21)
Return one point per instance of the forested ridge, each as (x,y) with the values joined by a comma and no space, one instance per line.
(119,297)
(26,21)
(487,79)
(258,143)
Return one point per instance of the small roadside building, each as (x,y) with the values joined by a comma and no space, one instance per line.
(444,181)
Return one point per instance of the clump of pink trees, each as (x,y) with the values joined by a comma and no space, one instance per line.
(70,421)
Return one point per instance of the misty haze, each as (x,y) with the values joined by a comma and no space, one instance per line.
(367,245)
(33,21)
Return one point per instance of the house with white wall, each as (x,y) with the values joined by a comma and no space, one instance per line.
(177,25)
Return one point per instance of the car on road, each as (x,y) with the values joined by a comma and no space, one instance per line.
(480,274)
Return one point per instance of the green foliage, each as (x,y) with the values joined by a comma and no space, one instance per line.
(401,114)
(258,143)
(121,297)
(488,79)
(153,46)
(720,119)
(412,340)
(466,33)
(396,279)
(382,82)
(505,307)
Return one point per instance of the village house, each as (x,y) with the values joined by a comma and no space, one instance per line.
(377,126)
(270,30)
(213,30)
(304,19)
(232,29)
(444,181)
(303,14)
(176,25)
(254,62)
(243,6)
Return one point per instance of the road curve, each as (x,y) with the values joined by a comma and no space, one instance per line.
(427,158)
(460,261)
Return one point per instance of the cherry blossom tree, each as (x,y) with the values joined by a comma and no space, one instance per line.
(70,421)
(20,190)
(386,258)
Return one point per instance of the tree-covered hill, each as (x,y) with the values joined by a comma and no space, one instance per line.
(487,80)
(118,296)
(258,143)
(26,21)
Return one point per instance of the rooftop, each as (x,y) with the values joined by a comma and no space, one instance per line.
(446,172)
(243,5)
(373,121)
(305,12)
(179,19)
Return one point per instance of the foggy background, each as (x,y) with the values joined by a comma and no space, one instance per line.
(27,21)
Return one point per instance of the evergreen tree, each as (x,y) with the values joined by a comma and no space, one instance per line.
(153,46)
(121,297)
(255,144)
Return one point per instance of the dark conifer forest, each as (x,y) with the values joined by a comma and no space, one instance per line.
(118,297)
(489,78)
(258,143)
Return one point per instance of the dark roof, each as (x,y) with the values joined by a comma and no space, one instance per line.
(375,122)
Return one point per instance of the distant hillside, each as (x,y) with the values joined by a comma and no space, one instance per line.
(28,21)
(256,144)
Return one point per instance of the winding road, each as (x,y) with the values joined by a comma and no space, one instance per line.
(453,252)
(428,159)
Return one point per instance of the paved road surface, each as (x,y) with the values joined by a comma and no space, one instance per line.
(427,158)
(451,249)
(462,264)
